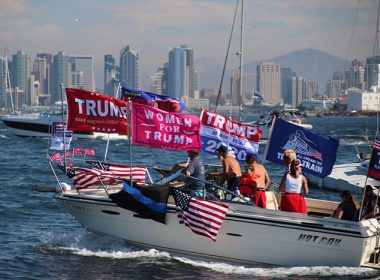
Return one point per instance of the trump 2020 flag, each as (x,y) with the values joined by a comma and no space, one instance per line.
(148,201)
(217,130)
(166,103)
(316,152)
(57,129)
(93,112)
(160,129)
(374,164)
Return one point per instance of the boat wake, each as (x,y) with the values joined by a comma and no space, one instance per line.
(282,272)
(92,245)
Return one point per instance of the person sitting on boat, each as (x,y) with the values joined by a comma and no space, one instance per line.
(348,208)
(248,184)
(288,156)
(292,185)
(231,169)
(370,207)
(262,180)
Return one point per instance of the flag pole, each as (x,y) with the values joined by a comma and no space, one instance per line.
(64,130)
(108,138)
(130,140)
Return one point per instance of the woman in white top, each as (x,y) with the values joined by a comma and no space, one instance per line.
(292,185)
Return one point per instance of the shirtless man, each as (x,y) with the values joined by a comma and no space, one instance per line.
(263,179)
(231,169)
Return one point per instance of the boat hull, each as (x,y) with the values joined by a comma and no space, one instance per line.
(248,235)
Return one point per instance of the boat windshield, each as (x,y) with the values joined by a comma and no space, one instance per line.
(55,110)
(202,188)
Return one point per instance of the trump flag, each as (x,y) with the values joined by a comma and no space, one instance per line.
(166,103)
(217,130)
(160,129)
(316,152)
(93,112)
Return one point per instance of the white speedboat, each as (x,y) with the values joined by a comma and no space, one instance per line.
(349,176)
(248,234)
(38,124)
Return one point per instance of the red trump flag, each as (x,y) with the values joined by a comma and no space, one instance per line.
(160,129)
(93,112)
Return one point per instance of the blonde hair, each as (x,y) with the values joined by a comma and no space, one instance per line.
(290,154)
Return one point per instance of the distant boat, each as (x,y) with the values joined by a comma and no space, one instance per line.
(38,124)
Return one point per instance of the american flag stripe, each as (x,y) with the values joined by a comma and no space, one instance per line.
(121,171)
(85,177)
(203,217)
(376,144)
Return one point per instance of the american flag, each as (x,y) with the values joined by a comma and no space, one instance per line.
(121,171)
(203,217)
(376,143)
(85,177)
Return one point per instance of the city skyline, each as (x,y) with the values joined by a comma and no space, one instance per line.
(272,28)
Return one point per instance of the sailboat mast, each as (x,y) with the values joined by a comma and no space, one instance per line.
(240,97)
(8,87)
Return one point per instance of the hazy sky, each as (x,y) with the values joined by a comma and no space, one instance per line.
(272,28)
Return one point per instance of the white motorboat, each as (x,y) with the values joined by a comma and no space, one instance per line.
(248,234)
(349,176)
(38,124)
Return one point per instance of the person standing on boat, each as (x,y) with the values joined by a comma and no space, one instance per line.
(194,168)
(288,156)
(370,207)
(348,208)
(261,181)
(231,169)
(292,185)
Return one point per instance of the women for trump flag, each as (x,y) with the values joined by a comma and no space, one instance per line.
(93,112)
(160,129)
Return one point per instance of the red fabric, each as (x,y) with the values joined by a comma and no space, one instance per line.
(291,202)
(260,199)
(247,184)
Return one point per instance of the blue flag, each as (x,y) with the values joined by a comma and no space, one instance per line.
(166,103)
(148,201)
(374,164)
(316,152)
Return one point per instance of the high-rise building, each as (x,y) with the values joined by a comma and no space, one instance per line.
(60,73)
(39,73)
(156,84)
(20,74)
(286,82)
(84,64)
(47,82)
(311,90)
(236,96)
(176,80)
(190,72)
(111,75)
(372,72)
(269,82)
(130,68)
(354,77)
(298,89)
(334,88)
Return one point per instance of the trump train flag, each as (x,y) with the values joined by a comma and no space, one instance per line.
(166,103)
(160,129)
(148,201)
(316,152)
(374,164)
(93,112)
(217,130)
(57,129)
